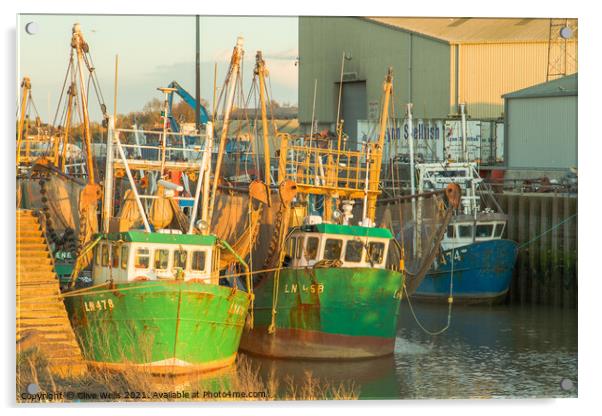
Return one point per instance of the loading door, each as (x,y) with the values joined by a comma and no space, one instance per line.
(354,107)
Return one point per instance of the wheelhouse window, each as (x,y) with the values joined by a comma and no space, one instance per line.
(124,256)
(299,249)
(499,229)
(484,230)
(292,246)
(311,248)
(105,255)
(142,259)
(179,258)
(215,260)
(114,256)
(376,252)
(465,231)
(451,231)
(161,259)
(354,251)
(98,254)
(332,249)
(198,261)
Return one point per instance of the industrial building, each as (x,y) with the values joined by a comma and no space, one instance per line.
(541,126)
(438,63)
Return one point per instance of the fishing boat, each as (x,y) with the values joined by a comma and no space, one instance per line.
(332,285)
(158,300)
(476,263)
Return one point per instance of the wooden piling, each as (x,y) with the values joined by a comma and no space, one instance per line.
(511,235)
(555,261)
(533,269)
(522,256)
(569,254)
(544,252)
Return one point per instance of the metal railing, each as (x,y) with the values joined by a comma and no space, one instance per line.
(343,170)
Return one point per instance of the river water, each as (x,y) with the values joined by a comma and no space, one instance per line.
(504,351)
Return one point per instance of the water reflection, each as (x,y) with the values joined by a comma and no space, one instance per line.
(489,351)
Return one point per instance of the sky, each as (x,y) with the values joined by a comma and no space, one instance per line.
(153,51)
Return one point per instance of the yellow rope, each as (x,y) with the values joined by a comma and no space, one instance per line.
(275,291)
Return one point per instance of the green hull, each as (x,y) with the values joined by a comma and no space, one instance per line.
(170,327)
(327,313)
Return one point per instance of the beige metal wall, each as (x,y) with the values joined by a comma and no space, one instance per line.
(424,79)
(542,132)
(436,78)
(486,71)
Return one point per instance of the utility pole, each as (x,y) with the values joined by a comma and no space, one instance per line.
(197,111)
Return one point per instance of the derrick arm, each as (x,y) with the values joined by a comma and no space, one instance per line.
(261,72)
(189,99)
(453,198)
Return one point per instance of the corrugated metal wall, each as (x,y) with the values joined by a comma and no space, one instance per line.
(373,48)
(489,70)
(485,71)
(542,132)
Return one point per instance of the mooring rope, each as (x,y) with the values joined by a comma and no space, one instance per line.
(450,301)
(546,231)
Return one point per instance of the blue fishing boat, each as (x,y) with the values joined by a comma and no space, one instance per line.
(476,262)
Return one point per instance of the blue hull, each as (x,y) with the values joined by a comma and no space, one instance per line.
(482,273)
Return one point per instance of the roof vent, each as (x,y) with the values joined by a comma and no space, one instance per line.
(349,76)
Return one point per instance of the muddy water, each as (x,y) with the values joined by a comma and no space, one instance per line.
(487,352)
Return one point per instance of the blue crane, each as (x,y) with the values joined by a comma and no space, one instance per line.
(190,100)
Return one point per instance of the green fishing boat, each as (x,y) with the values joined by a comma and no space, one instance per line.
(157,303)
(158,298)
(332,288)
(335,299)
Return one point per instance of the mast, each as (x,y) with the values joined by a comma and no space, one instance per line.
(231,85)
(25,91)
(107,206)
(81,47)
(71,93)
(464,150)
(262,72)
(197,86)
(203,181)
(167,91)
(412,167)
(388,88)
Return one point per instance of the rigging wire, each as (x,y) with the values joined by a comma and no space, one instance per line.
(67,73)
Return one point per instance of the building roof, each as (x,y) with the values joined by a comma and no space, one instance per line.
(456,30)
(565,86)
